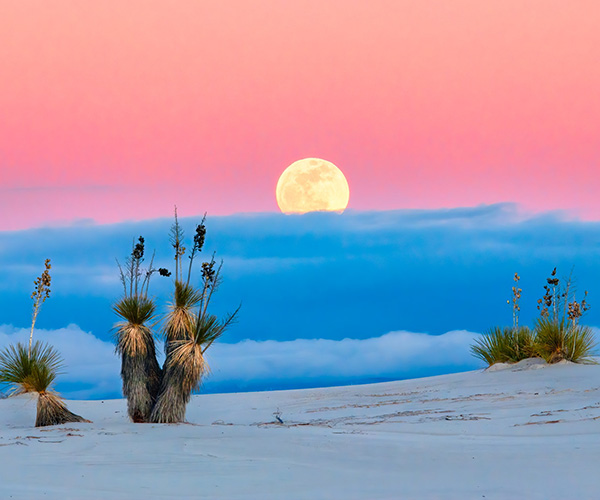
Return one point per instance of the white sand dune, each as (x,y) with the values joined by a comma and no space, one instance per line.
(516,433)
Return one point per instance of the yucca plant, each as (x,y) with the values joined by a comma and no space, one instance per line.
(185,367)
(34,369)
(558,340)
(188,331)
(140,371)
(504,345)
(559,336)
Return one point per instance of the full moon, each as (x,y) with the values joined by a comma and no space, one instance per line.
(312,185)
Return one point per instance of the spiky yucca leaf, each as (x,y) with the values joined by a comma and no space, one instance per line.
(36,373)
(558,340)
(136,309)
(186,295)
(207,330)
(581,345)
(17,367)
(504,345)
(180,318)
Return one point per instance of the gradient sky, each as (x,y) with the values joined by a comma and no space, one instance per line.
(118,110)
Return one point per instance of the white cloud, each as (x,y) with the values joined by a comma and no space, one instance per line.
(92,369)
(394,355)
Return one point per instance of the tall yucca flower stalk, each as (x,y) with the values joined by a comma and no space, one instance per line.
(140,371)
(34,369)
(185,297)
(40,293)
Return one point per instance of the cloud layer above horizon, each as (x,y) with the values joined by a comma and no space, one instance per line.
(92,368)
(357,275)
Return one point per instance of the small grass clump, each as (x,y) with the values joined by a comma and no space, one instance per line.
(505,345)
(556,341)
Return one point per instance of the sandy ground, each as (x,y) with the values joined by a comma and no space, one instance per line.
(524,432)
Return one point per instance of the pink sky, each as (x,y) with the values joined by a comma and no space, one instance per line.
(118,110)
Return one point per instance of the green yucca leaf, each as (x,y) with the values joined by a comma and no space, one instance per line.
(556,340)
(41,377)
(29,373)
(137,310)
(581,344)
(208,328)
(186,296)
(504,345)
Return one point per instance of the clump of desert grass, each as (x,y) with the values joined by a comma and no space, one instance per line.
(562,340)
(505,345)
(557,334)
(188,329)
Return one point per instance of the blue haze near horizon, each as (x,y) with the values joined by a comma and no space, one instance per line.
(358,275)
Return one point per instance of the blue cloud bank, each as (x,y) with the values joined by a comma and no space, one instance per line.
(311,286)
